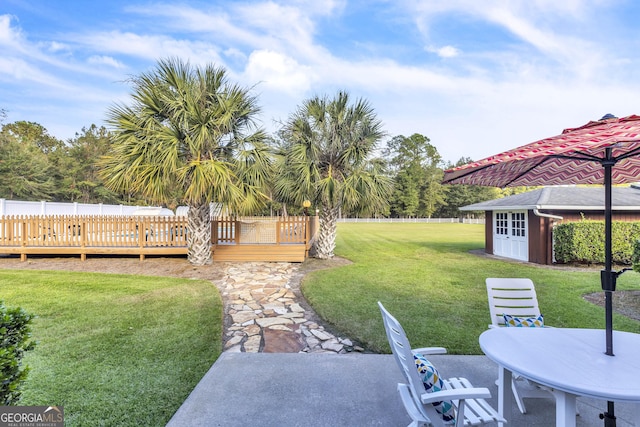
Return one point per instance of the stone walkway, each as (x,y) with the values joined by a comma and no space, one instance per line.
(265,312)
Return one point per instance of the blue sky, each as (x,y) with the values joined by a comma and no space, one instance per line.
(476,77)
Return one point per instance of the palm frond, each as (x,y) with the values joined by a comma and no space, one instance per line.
(187,133)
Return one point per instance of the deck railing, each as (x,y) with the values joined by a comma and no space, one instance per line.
(259,230)
(92,231)
(71,234)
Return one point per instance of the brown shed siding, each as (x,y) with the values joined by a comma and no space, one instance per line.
(488,232)
(536,228)
(540,242)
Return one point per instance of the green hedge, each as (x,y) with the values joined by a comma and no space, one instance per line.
(15,334)
(635,259)
(583,242)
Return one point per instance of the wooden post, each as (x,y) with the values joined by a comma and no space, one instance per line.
(307,236)
(23,232)
(141,232)
(83,239)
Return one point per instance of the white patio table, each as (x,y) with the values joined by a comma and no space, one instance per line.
(569,361)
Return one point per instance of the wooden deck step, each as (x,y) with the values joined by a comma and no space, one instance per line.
(265,253)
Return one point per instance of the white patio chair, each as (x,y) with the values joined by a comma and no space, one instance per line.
(469,403)
(516,297)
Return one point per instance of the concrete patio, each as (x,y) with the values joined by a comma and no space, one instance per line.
(291,389)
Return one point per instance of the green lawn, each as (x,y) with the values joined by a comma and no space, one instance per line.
(115,350)
(425,275)
(118,350)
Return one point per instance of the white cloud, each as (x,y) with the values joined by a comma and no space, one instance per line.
(525,29)
(10,37)
(444,51)
(320,7)
(36,62)
(286,23)
(278,72)
(150,47)
(57,47)
(235,54)
(542,23)
(217,22)
(288,27)
(105,60)
(20,70)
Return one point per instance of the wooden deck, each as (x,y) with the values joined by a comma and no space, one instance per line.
(266,252)
(233,239)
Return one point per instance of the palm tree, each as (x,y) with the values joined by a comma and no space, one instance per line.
(189,137)
(325,157)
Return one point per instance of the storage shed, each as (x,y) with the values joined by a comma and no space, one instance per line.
(521,226)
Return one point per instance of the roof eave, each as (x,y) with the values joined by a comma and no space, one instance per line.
(546,207)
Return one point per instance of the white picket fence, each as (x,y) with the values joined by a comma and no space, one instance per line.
(21,207)
(411,220)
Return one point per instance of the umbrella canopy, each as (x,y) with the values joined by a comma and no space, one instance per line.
(576,156)
(606,151)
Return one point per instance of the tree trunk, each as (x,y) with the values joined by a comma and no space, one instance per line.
(199,235)
(326,242)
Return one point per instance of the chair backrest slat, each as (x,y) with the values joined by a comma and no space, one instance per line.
(516,297)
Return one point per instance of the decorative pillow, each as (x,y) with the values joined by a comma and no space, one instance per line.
(523,322)
(432,382)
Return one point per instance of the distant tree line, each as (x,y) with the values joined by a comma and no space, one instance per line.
(35,165)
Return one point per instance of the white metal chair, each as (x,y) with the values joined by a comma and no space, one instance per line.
(471,408)
(516,297)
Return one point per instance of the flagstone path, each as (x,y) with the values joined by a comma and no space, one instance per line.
(265,312)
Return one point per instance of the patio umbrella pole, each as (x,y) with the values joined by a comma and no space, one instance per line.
(608,276)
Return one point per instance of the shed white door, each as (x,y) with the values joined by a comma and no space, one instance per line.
(510,234)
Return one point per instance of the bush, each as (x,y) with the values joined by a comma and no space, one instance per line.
(583,242)
(14,341)
(635,259)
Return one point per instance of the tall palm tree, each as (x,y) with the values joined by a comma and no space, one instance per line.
(326,157)
(189,136)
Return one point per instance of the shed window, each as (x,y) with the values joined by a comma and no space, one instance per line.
(502,223)
(518,226)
